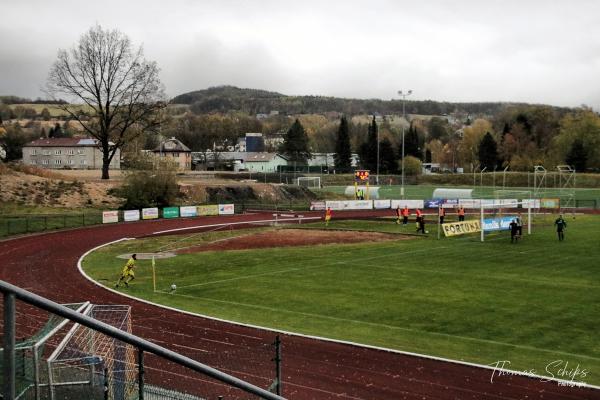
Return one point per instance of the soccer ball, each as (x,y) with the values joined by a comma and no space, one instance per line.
(173,286)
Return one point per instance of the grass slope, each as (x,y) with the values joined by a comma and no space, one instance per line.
(532,303)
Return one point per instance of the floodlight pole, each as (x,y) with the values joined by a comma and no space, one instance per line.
(404,95)
(377,176)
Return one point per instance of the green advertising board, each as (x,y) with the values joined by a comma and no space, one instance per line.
(170,212)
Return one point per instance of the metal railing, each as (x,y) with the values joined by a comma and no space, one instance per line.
(12,293)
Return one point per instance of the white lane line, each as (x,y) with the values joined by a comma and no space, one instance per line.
(236,223)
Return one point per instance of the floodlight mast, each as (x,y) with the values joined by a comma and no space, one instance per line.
(403,95)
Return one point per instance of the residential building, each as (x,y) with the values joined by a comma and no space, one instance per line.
(67,153)
(175,151)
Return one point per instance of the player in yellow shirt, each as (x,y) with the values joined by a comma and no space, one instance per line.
(127,275)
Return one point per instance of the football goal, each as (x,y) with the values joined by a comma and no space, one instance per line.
(311,182)
(498,214)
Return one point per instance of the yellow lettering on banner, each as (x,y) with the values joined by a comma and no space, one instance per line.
(461,228)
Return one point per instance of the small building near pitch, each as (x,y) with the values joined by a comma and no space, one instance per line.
(175,151)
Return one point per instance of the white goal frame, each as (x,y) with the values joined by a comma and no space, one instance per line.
(483,206)
(309,179)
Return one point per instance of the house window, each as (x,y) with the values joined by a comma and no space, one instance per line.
(70,152)
(80,151)
(175,154)
(33,162)
(33,152)
(71,161)
(57,152)
(46,152)
(58,161)
(45,162)
(83,162)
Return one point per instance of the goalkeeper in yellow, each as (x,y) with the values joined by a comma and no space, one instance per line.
(127,275)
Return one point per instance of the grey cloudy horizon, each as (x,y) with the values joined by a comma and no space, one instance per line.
(511,51)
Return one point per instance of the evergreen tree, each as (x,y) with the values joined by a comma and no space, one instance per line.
(368,150)
(387,157)
(577,156)
(295,144)
(412,144)
(343,151)
(427,156)
(488,152)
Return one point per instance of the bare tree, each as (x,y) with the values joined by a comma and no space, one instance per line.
(116,84)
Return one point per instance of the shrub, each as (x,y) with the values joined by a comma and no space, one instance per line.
(412,166)
(150,187)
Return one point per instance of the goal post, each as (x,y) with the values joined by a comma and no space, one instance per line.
(501,223)
(309,181)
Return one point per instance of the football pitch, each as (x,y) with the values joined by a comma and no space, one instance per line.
(534,304)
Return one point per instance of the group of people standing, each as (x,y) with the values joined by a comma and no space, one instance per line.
(403,214)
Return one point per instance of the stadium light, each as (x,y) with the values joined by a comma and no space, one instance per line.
(403,95)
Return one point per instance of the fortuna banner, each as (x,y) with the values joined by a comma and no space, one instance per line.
(461,228)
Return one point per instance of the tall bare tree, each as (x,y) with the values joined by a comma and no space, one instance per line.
(119,87)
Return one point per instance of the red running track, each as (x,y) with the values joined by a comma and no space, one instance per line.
(312,369)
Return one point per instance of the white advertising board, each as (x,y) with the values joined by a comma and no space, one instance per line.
(226,209)
(188,211)
(149,213)
(408,203)
(131,215)
(381,204)
(109,217)
(350,204)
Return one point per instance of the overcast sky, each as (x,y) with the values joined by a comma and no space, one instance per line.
(527,50)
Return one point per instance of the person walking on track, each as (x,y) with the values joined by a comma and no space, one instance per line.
(127,275)
(398,215)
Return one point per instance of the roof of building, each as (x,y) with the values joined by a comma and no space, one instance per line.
(63,142)
(171,145)
(262,157)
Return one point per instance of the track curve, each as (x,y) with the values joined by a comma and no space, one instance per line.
(312,369)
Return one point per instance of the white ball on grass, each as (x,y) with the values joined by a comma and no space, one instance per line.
(173,286)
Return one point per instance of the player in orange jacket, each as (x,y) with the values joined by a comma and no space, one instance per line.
(327,216)
(461,213)
(405,214)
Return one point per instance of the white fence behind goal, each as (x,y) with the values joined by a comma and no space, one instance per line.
(309,181)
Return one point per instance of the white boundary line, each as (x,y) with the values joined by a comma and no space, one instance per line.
(235,223)
(401,352)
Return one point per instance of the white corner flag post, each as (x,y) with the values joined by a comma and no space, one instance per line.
(481,222)
(438,218)
(529,218)
(153,274)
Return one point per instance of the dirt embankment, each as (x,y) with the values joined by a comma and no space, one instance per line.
(82,189)
(38,187)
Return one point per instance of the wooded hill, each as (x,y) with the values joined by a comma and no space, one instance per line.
(230,98)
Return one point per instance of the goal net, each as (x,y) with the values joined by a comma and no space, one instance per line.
(88,362)
(496,216)
(311,182)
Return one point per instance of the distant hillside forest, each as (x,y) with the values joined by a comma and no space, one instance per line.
(253,101)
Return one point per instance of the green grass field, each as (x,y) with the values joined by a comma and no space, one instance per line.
(531,303)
